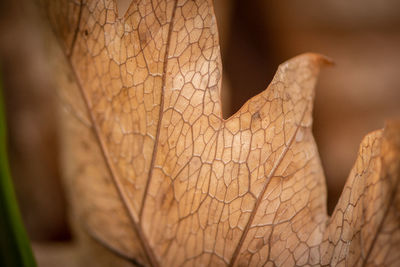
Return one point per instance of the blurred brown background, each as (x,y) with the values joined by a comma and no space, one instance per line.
(353,98)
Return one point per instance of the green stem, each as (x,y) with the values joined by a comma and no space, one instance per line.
(15,248)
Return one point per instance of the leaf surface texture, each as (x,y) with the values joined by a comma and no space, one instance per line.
(157,175)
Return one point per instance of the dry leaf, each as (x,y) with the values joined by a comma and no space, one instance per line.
(157,175)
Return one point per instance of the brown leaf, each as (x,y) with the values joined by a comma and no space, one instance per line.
(156,174)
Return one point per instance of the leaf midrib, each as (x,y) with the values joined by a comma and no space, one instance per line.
(258,202)
(161,113)
(385,215)
(120,188)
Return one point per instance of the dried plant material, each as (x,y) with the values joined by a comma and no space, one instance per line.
(157,175)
